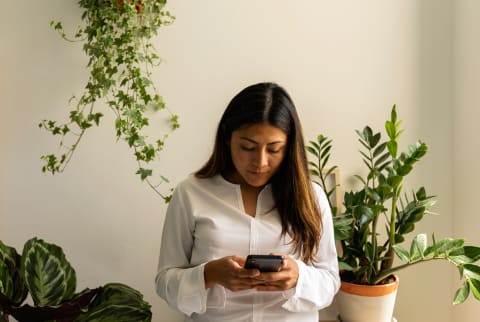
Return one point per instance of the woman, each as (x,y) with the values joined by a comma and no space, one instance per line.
(253,196)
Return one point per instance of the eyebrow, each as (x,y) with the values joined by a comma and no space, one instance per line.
(255,142)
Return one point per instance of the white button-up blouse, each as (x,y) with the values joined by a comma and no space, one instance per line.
(206,220)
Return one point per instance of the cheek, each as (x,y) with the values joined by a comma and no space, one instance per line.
(239,158)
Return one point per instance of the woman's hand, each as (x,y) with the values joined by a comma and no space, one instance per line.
(282,280)
(229,272)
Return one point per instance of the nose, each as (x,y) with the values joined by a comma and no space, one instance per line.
(261,159)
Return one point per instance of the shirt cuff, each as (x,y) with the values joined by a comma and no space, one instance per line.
(296,298)
(192,295)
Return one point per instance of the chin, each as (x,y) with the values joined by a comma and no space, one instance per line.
(258,182)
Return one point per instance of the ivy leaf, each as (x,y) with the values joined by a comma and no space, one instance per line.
(95,117)
(144,173)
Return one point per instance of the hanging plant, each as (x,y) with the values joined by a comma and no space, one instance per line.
(116,38)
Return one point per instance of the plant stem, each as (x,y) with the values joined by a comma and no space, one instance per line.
(387,272)
(374,264)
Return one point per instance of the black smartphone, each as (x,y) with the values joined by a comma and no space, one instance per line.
(265,263)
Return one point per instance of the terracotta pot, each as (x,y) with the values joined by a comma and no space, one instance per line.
(361,303)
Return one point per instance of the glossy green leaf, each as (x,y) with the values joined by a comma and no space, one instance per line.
(6,280)
(312,150)
(418,247)
(390,129)
(117,303)
(342,227)
(473,252)
(392,147)
(402,253)
(471,271)
(344,266)
(475,288)
(48,275)
(462,294)
(11,271)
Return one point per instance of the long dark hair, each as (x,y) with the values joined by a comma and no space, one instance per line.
(291,185)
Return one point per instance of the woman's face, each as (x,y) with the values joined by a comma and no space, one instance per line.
(257,152)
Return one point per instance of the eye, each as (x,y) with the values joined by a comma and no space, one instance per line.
(246,148)
(274,151)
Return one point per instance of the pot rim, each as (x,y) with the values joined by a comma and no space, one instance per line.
(370,290)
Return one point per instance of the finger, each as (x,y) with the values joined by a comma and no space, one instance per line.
(249,273)
(238,260)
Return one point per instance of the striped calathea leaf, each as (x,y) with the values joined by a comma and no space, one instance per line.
(12,284)
(48,275)
(117,303)
(43,271)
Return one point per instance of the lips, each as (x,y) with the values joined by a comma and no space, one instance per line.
(258,172)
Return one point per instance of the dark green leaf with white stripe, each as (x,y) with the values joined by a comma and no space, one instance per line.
(48,275)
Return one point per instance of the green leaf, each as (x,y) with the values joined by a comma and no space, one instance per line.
(374,140)
(344,266)
(342,226)
(472,252)
(402,253)
(391,129)
(117,303)
(364,216)
(95,117)
(312,151)
(418,247)
(462,294)
(10,273)
(446,245)
(379,149)
(56,25)
(404,170)
(421,194)
(475,287)
(144,173)
(6,280)
(392,147)
(381,159)
(48,275)
(471,271)
(394,181)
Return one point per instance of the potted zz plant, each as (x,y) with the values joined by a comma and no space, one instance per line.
(43,272)
(375,221)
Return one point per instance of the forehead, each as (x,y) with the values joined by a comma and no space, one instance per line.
(260,133)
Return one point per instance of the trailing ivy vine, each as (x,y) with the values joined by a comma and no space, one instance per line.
(116,38)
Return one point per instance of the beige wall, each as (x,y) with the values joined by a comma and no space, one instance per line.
(344,62)
(466,113)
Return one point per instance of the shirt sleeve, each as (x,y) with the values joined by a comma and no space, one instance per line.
(177,282)
(318,283)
